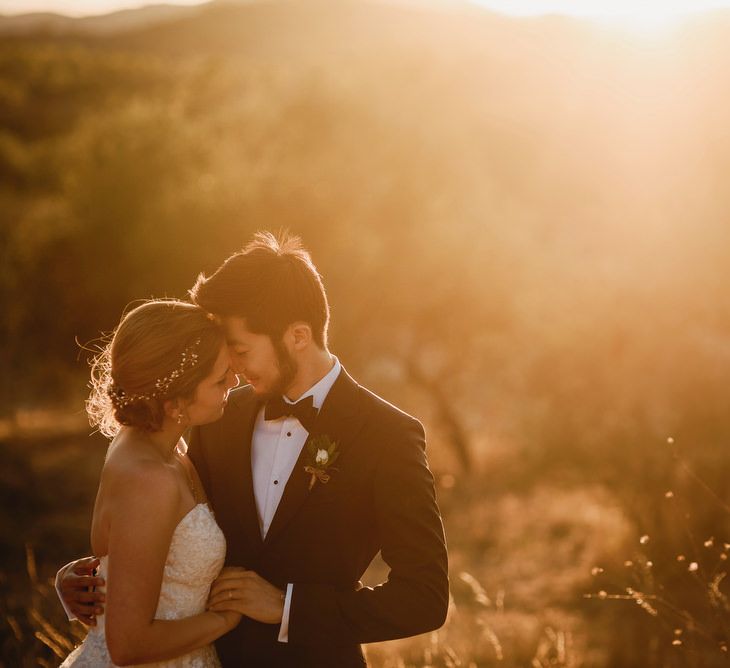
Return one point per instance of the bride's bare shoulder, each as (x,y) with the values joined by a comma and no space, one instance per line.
(132,465)
(134,482)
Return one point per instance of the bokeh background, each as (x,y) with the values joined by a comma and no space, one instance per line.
(523,224)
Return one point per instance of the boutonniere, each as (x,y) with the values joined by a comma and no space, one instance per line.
(322,453)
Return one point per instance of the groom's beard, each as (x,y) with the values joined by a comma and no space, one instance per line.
(288,369)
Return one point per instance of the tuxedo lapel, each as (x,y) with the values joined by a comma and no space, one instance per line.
(240,477)
(339,420)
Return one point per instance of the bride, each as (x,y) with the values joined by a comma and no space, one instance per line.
(167,368)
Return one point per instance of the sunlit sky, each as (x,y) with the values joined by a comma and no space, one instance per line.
(639,10)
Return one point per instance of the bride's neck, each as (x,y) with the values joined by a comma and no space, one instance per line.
(164,440)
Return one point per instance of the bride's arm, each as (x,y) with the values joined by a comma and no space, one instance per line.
(142,521)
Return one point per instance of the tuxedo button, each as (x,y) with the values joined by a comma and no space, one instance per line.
(288,433)
(276,482)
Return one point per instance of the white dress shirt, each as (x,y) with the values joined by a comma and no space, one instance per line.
(275,448)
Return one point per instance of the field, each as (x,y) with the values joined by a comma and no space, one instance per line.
(524,565)
(522,227)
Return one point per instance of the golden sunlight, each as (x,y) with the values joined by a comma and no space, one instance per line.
(640,16)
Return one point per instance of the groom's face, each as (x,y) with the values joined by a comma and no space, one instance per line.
(266,365)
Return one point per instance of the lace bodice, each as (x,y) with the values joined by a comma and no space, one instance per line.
(196,555)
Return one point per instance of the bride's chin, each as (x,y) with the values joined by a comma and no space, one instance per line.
(212,418)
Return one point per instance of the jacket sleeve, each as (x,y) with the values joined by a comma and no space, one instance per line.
(415,597)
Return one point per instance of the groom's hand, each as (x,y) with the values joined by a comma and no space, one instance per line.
(78,588)
(246,592)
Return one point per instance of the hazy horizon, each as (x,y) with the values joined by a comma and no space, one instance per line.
(80,8)
(578,8)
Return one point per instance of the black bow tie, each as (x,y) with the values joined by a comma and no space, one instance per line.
(303,410)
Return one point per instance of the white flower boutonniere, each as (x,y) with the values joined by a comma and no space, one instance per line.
(322,453)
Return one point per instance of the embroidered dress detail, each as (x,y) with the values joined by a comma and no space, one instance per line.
(196,556)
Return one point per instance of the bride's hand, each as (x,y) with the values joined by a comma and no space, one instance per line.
(227,571)
(247,593)
(230,618)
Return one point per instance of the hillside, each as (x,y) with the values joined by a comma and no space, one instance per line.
(50,24)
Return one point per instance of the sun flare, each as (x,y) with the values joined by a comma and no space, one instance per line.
(645,17)
(648,22)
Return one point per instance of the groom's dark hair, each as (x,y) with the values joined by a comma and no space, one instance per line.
(271,283)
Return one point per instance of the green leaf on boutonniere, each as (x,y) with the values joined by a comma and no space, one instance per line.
(322,453)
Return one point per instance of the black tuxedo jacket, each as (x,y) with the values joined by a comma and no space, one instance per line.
(381,497)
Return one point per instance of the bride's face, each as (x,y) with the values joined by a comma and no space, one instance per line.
(211,393)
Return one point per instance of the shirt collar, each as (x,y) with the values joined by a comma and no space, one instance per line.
(321,388)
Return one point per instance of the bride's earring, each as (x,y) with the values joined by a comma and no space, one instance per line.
(179,418)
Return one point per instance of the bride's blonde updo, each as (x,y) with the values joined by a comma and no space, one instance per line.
(160,350)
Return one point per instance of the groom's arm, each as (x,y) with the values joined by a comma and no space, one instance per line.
(416,595)
(80,590)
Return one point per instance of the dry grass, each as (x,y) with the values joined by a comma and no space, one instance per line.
(521,566)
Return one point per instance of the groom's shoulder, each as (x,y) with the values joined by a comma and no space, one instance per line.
(383,413)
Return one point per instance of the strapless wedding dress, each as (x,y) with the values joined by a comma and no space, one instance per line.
(196,556)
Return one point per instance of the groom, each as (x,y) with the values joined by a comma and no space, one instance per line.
(310,475)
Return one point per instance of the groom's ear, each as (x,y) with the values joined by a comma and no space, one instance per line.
(300,335)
